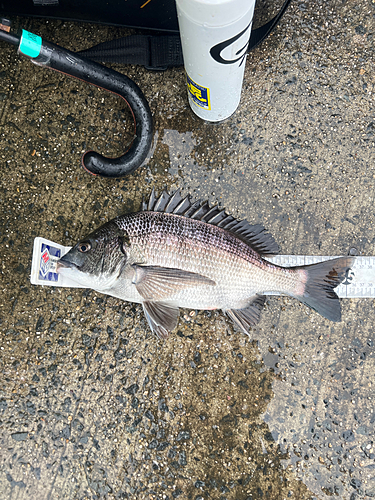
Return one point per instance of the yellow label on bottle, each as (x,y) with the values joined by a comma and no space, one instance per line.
(200,95)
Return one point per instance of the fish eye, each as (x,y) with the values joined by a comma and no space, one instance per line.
(84,247)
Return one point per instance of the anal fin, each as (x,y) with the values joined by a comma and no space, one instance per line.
(249,316)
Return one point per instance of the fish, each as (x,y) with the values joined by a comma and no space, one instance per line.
(175,253)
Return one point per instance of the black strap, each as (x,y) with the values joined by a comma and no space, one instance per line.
(151,51)
(45,2)
(258,35)
(158,52)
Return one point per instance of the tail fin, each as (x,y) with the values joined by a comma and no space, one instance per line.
(318,289)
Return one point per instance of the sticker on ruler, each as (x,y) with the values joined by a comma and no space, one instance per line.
(46,253)
(47,264)
(30,44)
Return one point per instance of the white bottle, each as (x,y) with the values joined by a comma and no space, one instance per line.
(215,35)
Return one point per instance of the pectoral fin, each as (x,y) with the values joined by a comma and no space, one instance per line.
(162,318)
(156,283)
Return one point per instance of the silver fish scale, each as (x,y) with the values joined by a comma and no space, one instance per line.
(174,241)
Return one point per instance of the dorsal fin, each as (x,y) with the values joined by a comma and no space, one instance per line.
(201,211)
(161,202)
(152,200)
(254,235)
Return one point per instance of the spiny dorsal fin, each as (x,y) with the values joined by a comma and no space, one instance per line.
(254,235)
(151,201)
(161,202)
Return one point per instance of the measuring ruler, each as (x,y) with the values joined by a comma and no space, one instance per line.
(46,254)
(359,280)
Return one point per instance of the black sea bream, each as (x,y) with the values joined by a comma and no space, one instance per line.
(175,253)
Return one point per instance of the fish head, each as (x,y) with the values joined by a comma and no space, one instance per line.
(96,260)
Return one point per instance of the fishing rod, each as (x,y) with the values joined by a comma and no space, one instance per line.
(48,55)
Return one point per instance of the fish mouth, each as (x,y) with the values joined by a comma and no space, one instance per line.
(64,264)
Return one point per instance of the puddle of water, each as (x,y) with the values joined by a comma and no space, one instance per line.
(322,412)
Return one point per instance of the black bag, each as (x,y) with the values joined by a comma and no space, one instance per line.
(156,52)
(158,15)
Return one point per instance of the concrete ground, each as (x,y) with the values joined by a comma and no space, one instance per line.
(92,405)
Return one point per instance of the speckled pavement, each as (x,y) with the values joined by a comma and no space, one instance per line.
(92,405)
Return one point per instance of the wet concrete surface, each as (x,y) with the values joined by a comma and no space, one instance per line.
(92,405)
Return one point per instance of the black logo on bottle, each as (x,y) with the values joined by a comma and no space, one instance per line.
(217,49)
